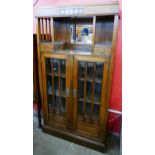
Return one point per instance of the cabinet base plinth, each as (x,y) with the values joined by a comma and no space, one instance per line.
(74,138)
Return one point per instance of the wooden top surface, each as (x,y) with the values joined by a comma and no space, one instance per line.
(104,8)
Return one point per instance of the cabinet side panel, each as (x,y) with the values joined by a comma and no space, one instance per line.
(110,76)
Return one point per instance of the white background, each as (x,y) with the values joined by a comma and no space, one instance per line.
(16,77)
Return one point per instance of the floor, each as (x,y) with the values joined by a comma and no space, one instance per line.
(45,144)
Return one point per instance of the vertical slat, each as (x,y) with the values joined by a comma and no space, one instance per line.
(108,31)
(85,88)
(53,86)
(52,32)
(107,24)
(94,27)
(39,60)
(46,29)
(49,29)
(59,31)
(74,32)
(68,87)
(45,100)
(104,28)
(63,31)
(75,86)
(103,109)
(100,32)
(56,34)
(93,87)
(59,75)
(42,21)
(68,32)
(38,29)
(59,85)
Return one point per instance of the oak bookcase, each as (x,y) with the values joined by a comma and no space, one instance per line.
(75,60)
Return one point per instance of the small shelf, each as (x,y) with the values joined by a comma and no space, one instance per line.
(89,101)
(56,74)
(74,51)
(106,44)
(104,49)
(46,41)
(59,42)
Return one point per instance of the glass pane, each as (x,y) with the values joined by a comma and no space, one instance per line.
(80,108)
(56,93)
(49,84)
(89,105)
(81,89)
(62,67)
(88,91)
(60,105)
(49,91)
(50,103)
(63,105)
(90,70)
(99,71)
(97,92)
(81,69)
(63,86)
(88,110)
(57,103)
(48,65)
(56,86)
(55,65)
(96,112)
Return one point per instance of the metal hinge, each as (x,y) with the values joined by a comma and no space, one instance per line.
(40,59)
(67,92)
(74,93)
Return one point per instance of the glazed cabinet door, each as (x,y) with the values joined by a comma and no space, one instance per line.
(89,96)
(56,90)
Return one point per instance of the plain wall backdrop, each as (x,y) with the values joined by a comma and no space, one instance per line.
(116,91)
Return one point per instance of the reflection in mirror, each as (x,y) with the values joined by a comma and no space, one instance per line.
(81,34)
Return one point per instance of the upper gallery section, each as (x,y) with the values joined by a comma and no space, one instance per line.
(106,8)
(91,31)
